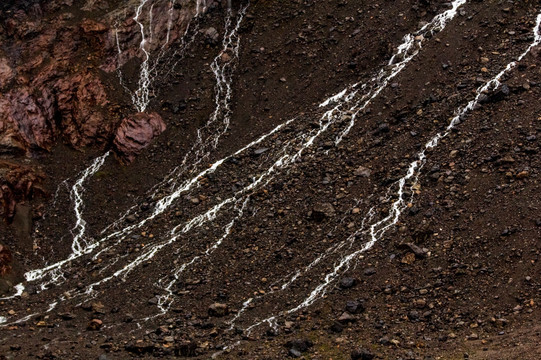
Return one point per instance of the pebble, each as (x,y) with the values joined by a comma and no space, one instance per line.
(346,318)
(295,353)
(301,345)
(362,171)
(347,282)
(354,307)
(218,310)
(362,354)
(95,324)
(369,271)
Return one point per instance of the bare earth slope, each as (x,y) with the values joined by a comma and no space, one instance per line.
(311,179)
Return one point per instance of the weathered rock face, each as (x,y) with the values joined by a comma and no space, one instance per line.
(17,183)
(51,66)
(135,133)
(6,72)
(81,102)
(26,122)
(55,62)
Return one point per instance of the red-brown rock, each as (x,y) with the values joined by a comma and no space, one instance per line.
(18,183)
(24,122)
(90,26)
(81,100)
(135,133)
(5,260)
(6,72)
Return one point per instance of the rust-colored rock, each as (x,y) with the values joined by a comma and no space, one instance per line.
(90,26)
(50,74)
(26,123)
(6,72)
(17,184)
(135,133)
(5,260)
(81,100)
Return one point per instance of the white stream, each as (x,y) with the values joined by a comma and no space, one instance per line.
(377,229)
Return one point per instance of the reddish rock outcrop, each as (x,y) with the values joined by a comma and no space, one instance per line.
(18,183)
(81,101)
(26,120)
(135,133)
(50,73)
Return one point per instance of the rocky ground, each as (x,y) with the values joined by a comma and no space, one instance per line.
(455,277)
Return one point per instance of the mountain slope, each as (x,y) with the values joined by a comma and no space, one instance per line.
(322,179)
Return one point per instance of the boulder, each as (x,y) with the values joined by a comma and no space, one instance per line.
(135,133)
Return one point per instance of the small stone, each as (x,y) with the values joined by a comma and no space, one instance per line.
(362,354)
(420,303)
(346,318)
(288,324)
(408,259)
(295,353)
(362,172)
(522,175)
(337,327)
(347,283)
(413,315)
(369,271)
(260,151)
(354,307)
(225,57)
(322,211)
(153,301)
(218,310)
(94,324)
(98,307)
(301,345)
(211,35)
(66,316)
(416,250)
